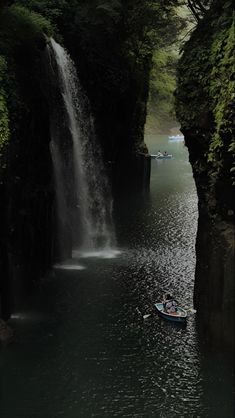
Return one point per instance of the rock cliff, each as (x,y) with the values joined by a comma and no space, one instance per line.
(26,190)
(204,102)
(117,87)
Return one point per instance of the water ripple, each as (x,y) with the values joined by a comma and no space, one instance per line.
(92,354)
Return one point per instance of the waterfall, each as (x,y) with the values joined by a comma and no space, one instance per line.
(84,202)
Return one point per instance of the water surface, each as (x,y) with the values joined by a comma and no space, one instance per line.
(83,349)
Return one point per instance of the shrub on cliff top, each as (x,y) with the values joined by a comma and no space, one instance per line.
(22,29)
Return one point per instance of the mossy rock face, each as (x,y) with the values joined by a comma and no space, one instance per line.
(22,30)
(204,105)
(204,100)
(22,38)
(25,164)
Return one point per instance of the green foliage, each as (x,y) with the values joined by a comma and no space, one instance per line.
(22,36)
(4,117)
(111,41)
(205,92)
(161,114)
(222,89)
(151,24)
(20,27)
(51,9)
(136,25)
(198,8)
(119,38)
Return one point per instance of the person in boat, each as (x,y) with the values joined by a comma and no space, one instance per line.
(165,154)
(160,154)
(169,304)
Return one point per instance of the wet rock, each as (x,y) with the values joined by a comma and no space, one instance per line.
(6,333)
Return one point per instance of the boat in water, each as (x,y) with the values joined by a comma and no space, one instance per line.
(176,138)
(179,315)
(163,156)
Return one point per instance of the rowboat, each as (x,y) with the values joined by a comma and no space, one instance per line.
(179,316)
(176,138)
(163,157)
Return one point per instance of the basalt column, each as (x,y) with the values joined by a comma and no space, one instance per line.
(204,105)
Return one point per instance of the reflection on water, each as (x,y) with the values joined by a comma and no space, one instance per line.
(68,266)
(91,353)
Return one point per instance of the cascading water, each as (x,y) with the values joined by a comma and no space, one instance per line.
(84,201)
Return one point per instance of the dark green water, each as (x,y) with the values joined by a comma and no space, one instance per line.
(84,351)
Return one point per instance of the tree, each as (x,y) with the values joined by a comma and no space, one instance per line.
(199,7)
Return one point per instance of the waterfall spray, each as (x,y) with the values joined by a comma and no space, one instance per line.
(84,200)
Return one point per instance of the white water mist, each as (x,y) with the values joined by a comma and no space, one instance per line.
(84,201)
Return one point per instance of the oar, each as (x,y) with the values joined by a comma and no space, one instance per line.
(146,315)
(143,316)
(189,309)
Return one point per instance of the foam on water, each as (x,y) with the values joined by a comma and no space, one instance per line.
(105,253)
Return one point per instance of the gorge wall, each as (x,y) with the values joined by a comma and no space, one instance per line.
(113,64)
(26,190)
(106,48)
(204,103)
(117,86)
